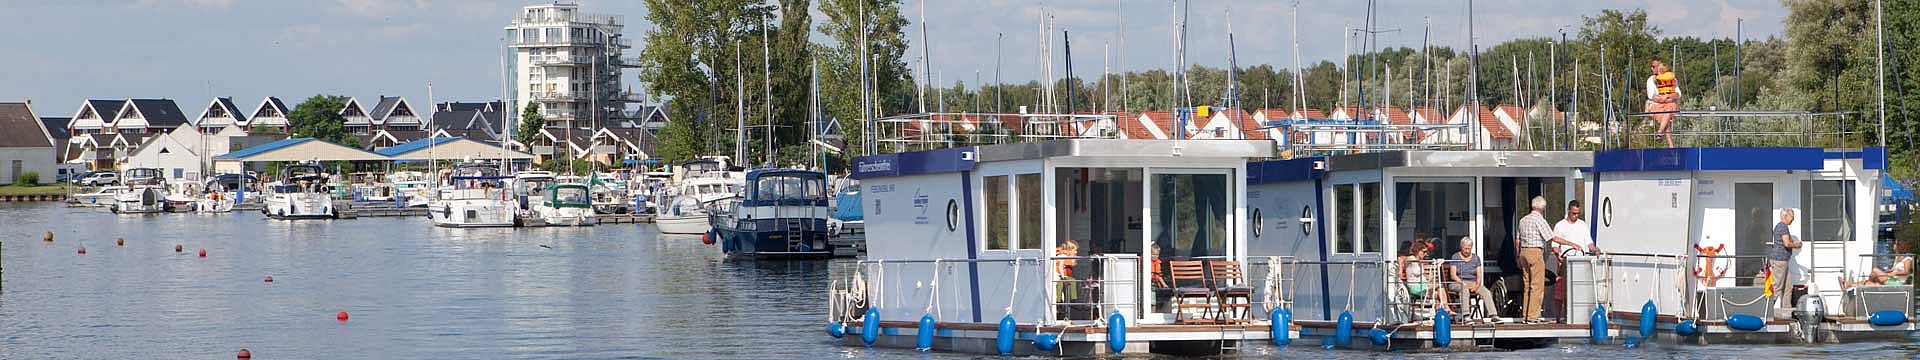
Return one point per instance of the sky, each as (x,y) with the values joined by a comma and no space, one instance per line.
(58,53)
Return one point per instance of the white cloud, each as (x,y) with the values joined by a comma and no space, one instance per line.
(170,4)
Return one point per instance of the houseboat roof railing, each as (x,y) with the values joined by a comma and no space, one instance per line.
(1316,137)
(1744,128)
(928,131)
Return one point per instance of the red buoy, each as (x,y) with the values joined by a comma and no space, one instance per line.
(244,354)
(342,316)
(203,252)
(707,238)
(269,279)
(120,242)
(83,250)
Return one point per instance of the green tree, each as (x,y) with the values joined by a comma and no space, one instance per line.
(840,64)
(319,117)
(531,121)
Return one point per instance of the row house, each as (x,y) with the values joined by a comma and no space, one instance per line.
(220,115)
(104,131)
(605,145)
(391,113)
(269,116)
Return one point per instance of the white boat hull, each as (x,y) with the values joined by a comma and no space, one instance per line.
(472,213)
(291,206)
(689,225)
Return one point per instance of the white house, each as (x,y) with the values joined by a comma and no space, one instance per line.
(175,157)
(270,114)
(220,114)
(25,144)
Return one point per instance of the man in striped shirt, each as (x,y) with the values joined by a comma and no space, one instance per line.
(1531,238)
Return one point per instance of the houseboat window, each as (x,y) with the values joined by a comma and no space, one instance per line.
(1190,214)
(1370,217)
(995,190)
(1031,195)
(1432,210)
(1342,199)
(1099,208)
(1826,214)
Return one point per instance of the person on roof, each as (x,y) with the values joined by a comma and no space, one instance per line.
(1663,95)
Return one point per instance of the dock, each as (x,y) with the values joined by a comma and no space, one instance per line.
(623,218)
(851,241)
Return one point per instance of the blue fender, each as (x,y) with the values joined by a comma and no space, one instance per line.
(1686,328)
(870,327)
(1046,342)
(1004,343)
(1648,314)
(1746,322)
(1597,333)
(1281,326)
(1117,332)
(923,340)
(1442,328)
(836,330)
(1343,329)
(1887,318)
(1377,336)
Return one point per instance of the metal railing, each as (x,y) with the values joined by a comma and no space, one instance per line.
(1888,280)
(555,17)
(549,60)
(1741,128)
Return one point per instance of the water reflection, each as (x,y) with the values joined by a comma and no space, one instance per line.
(416,291)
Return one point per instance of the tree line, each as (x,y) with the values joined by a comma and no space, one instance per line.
(715,61)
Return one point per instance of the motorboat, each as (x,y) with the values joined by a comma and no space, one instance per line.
(301,193)
(145,192)
(530,187)
(686,213)
(477,198)
(411,187)
(564,205)
(782,214)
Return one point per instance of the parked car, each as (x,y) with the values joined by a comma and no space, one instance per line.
(71,176)
(101,178)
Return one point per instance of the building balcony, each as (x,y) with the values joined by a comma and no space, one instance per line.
(557,43)
(556,96)
(556,60)
(543,150)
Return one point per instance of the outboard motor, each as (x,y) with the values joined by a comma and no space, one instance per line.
(1810,313)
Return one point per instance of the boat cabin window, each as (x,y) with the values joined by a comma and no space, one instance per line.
(1190,214)
(1827,204)
(1100,209)
(1014,208)
(994,188)
(1437,211)
(1356,218)
(571,195)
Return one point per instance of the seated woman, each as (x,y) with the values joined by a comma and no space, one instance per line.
(1413,272)
(1896,275)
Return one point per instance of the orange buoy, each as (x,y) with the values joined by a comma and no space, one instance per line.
(47,237)
(269,279)
(83,250)
(176,248)
(342,316)
(203,252)
(120,242)
(244,354)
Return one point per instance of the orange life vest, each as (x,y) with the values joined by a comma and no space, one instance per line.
(1665,82)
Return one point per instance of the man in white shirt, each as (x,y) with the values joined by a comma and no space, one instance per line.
(1570,235)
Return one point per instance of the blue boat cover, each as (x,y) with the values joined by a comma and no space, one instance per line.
(1896,191)
(848,206)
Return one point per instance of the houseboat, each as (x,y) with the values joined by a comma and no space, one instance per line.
(145,192)
(1717,208)
(1340,225)
(302,193)
(781,214)
(1059,247)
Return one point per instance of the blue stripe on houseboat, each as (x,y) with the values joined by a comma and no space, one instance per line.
(914,163)
(1695,159)
(973,251)
(1264,172)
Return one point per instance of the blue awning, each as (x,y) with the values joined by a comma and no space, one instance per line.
(1895,191)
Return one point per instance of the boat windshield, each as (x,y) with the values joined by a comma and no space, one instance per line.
(570,195)
(784,187)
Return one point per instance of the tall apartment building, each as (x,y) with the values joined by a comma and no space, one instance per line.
(569,62)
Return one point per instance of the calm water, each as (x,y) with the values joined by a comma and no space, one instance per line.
(416,291)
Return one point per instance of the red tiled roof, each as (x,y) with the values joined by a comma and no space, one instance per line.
(1493,126)
(1314,114)
(1397,116)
